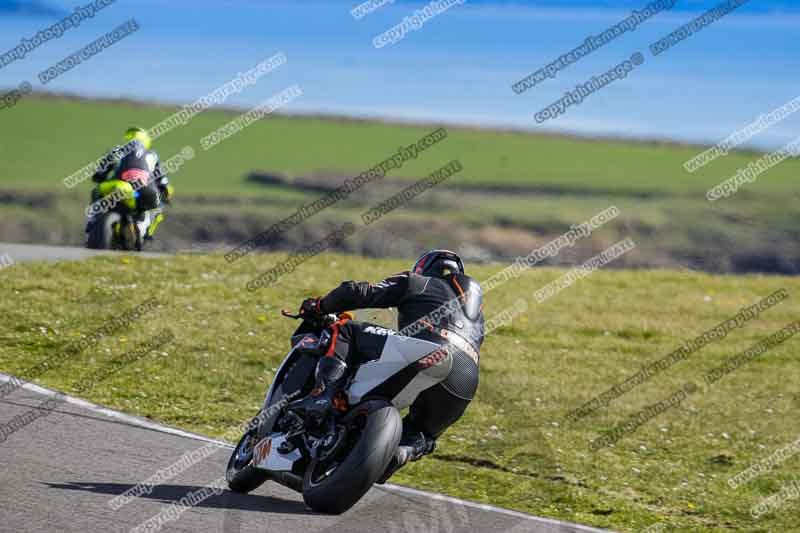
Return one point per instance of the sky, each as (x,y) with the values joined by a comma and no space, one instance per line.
(457,68)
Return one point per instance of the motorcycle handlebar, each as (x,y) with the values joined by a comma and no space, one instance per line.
(319,320)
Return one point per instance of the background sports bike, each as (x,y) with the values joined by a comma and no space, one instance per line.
(114,221)
(334,462)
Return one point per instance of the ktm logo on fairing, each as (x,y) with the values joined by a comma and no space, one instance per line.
(262,451)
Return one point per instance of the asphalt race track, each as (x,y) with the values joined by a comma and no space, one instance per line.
(61,469)
(22,253)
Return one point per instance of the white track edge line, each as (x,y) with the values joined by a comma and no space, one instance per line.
(111,413)
(161,428)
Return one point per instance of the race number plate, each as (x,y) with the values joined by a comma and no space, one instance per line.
(136,174)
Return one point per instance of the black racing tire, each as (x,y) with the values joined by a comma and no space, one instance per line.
(362,467)
(101,237)
(245,479)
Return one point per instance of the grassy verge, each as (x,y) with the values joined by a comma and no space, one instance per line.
(512,447)
(755,234)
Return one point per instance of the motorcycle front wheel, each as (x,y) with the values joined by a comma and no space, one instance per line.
(242,476)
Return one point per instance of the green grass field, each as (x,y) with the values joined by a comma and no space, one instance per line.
(45,139)
(512,448)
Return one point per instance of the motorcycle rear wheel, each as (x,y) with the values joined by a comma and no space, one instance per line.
(336,491)
(101,236)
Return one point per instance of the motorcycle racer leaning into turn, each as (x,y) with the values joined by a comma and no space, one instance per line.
(436,282)
(135,163)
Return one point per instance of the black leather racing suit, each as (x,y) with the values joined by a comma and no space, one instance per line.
(447,311)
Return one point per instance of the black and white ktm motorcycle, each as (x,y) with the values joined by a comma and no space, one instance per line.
(334,462)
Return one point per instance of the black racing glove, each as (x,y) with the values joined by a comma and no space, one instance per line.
(310,308)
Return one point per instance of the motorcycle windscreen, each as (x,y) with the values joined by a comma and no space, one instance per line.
(396,376)
(301,368)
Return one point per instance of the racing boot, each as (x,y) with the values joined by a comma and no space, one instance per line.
(151,230)
(413,446)
(331,376)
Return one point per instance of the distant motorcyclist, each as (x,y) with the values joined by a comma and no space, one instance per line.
(436,279)
(135,163)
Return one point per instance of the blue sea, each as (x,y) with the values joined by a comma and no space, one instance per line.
(457,68)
